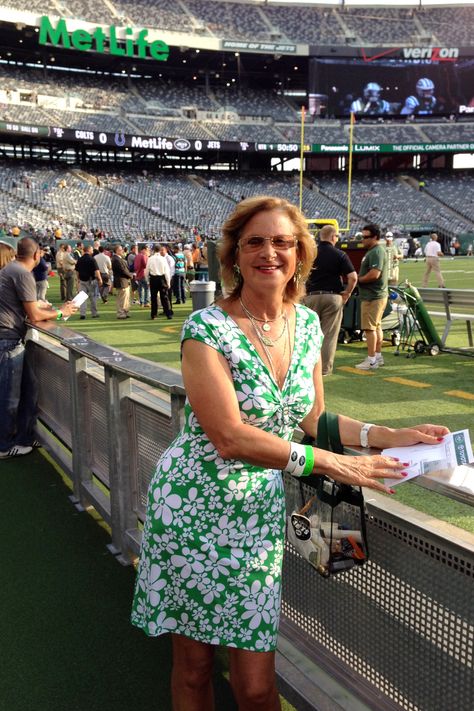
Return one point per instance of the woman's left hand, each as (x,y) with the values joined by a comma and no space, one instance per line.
(425,434)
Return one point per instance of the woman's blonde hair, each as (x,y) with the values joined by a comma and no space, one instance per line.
(7,254)
(232,231)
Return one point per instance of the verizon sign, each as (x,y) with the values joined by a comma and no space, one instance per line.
(433,54)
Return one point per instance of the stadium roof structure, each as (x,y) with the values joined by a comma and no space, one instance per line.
(370,3)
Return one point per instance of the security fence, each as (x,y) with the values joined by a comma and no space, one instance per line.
(397,633)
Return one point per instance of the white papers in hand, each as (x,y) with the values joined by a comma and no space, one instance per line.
(455,449)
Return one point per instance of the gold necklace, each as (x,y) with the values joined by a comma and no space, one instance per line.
(286,343)
(264,338)
(266,321)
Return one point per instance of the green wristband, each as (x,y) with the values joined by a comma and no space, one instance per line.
(308,467)
(59,315)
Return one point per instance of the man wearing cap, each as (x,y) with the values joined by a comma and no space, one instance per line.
(393,257)
(326,293)
(373,292)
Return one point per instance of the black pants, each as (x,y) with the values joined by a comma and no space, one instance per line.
(158,284)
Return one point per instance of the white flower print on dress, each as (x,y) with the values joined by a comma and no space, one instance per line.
(235,491)
(170,455)
(254,605)
(213,538)
(155,584)
(190,560)
(264,640)
(164,502)
(193,504)
(252,398)
(162,624)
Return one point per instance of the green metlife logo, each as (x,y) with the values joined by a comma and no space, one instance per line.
(102,41)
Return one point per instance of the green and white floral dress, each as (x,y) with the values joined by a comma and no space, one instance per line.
(211,558)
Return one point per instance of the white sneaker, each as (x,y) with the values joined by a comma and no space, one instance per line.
(15,451)
(367,365)
(379,360)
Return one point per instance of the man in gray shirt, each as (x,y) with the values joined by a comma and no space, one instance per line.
(18,391)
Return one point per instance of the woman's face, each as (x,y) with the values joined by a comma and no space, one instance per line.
(267,267)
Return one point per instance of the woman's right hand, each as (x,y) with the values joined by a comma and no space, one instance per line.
(359,470)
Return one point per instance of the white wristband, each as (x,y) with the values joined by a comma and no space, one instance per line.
(364,434)
(297,459)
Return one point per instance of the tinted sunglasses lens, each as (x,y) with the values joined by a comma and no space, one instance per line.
(254,243)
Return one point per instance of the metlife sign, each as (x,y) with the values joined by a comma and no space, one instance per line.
(121,42)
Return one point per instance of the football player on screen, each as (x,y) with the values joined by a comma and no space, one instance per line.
(371,103)
(424,102)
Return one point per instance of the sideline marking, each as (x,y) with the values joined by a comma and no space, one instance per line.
(348,369)
(65,477)
(460,393)
(411,383)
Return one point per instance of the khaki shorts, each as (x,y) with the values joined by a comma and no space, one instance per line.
(371,313)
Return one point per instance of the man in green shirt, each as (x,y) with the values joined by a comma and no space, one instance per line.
(373,292)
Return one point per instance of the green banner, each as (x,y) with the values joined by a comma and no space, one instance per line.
(393,147)
(25,129)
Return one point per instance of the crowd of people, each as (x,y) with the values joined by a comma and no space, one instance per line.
(145,275)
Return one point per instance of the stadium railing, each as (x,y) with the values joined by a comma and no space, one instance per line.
(450,299)
(397,633)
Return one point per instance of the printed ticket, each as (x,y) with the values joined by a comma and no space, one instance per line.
(453,451)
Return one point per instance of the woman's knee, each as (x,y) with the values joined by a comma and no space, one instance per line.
(192,662)
(255,693)
(252,677)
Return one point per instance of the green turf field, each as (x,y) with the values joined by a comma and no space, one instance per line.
(405,391)
(159,340)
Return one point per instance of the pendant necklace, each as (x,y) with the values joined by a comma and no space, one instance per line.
(264,343)
(266,325)
(265,321)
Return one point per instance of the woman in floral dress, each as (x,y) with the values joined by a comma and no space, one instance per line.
(210,565)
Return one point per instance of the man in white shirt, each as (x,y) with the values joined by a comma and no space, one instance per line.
(157,272)
(433,253)
(165,252)
(105,268)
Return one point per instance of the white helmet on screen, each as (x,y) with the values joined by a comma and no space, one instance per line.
(372,90)
(424,88)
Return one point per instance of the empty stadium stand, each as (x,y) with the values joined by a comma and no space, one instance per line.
(313,25)
(127,205)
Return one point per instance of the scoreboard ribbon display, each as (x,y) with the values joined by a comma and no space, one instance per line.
(162,144)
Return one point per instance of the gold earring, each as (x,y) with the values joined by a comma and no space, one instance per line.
(297,274)
(237,274)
